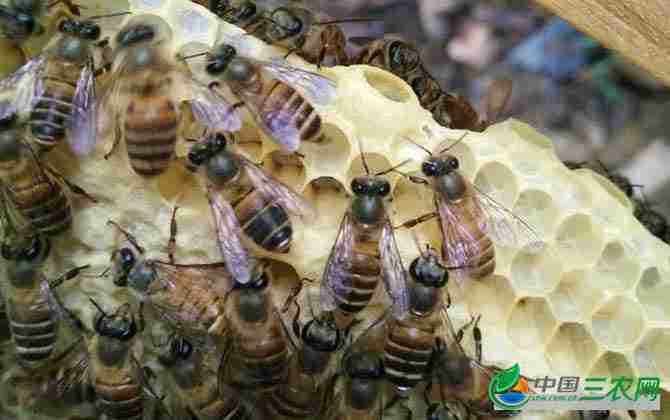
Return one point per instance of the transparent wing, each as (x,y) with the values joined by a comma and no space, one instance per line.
(275,190)
(316,88)
(505,227)
(26,82)
(393,272)
(338,265)
(211,109)
(460,247)
(112,101)
(213,276)
(238,261)
(75,374)
(82,131)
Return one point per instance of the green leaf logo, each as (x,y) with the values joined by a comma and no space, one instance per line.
(507,379)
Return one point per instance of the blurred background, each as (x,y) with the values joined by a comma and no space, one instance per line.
(589,100)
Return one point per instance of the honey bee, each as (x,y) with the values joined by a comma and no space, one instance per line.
(278,96)
(253,203)
(33,308)
(469,218)
(362,370)
(145,87)
(364,250)
(653,221)
(258,348)
(30,191)
(297,30)
(404,60)
(188,297)
(59,89)
(197,390)
(111,370)
(306,379)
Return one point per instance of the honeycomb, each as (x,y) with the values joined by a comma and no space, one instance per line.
(595,301)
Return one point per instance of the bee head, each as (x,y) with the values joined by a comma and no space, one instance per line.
(427,270)
(123,260)
(142,275)
(370,185)
(86,29)
(321,335)
(180,349)
(220,59)
(120,326)
(403,57)
(245,11)
(364,365)
(284,24)
(203,151)
(34,248)
(436,166)
(134,34)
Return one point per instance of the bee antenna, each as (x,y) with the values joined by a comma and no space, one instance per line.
(98,307)
(108,15)
(425,149)
(454,144)
(604,168)
(363,160)
(393,168)
(332,22)
(188,57)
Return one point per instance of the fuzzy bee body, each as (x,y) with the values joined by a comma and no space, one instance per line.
(119,393)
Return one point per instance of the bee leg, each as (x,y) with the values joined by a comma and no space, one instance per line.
(71,317)
(413,222)
(140,317)
(297,328)
(67,276)
(76,189)
(172,242)
(461,331)
(292,296)
(477,333)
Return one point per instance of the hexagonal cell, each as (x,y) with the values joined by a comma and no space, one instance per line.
(286,168)
(493,298)
(537,208)
(388,85)
(653,291)
(333,144)
(612,364)
(571,350)
(578,240)
(531,323)
(568,191)
(575,297)
(499,182)
(614,270)
(535,273)
(617,323)
(376,163)
(651,355)
(329,198)
(193,24)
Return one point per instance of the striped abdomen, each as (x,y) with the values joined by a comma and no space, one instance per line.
(39,199)
(120,401)
(407,353)
(211,403)
(299,395)
(285,109)
(34,327)
(266,223)
(52,112)
(365,272)
(151,133)
(263,354)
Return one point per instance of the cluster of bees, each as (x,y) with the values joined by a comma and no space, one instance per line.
(268,364)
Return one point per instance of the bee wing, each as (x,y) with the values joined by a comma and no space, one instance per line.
(276,190)
(82,131)
(76,374)
(393,272)
(27,82)
(505,227)
(499,93)
(213,276)
(460,247)
(316,88)
(338,265)
(209,108)
(238,261)
(112,101)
